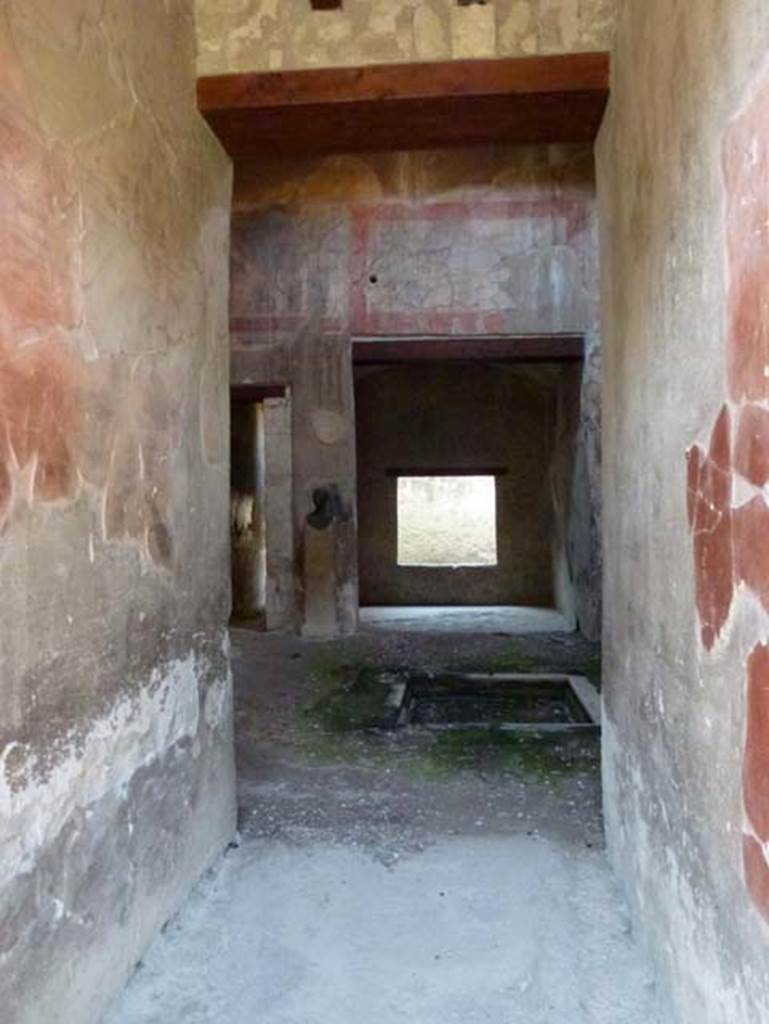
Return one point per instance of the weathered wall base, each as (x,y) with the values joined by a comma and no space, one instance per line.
(102,852)
(706,977)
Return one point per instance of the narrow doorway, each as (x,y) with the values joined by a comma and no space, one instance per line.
(261,489)
(248,549)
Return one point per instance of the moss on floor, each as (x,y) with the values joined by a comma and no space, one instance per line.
(512,659)
(515,658)
(355,701)
(592,668)
(341,724)
(329,748)
(524,754)
(442,757)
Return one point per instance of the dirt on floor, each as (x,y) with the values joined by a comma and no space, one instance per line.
(311,763)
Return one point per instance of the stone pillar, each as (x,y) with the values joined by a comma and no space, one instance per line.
(329,545)
(324,458)
(280,597)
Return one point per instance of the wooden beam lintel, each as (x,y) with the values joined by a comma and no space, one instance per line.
(395,106)
(497,348)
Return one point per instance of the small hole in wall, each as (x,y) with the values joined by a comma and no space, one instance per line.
(373,278)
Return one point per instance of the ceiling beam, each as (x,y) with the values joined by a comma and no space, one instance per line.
(558,98)
(540,348)
(256,392)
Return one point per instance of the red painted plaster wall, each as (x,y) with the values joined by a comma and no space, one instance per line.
(39,417)
(728,512)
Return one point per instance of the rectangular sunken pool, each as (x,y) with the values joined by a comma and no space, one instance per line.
(503,701)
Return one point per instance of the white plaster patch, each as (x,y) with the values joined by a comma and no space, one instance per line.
(137,731)
(329,426)
(743,491)
(217,703)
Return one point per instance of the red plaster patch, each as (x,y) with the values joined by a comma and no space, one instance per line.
(746,171)
(756,873)
(710,518)
(746,174)
(37,222)
(5,491)
(38,415)
(755,771)
(751,550)
(694,459)
(569,219)
(38,298)
(751,450)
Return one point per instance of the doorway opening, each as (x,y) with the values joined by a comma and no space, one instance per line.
(247,513)
(464,470)
(261,535)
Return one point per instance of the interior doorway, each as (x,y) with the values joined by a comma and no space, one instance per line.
(262,539)
(464,470)
(247,508)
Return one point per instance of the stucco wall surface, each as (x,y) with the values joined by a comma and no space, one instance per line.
(683,175)
(116,775)
(460,243)
(272,35)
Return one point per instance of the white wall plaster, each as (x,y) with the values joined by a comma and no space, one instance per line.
(36,802)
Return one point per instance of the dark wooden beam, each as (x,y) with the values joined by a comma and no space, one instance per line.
(559,348)
(446,471)
(326,5)
(256,392)
(560,73)
(408,106)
